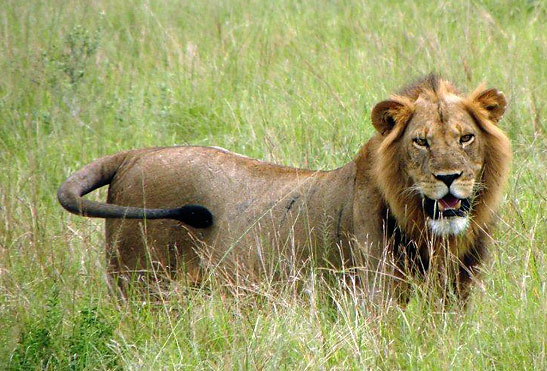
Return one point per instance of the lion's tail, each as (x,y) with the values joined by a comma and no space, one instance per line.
(100,173)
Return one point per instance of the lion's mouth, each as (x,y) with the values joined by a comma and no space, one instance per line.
(447,207)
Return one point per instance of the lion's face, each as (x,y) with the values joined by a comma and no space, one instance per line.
(438,151)
(444,155)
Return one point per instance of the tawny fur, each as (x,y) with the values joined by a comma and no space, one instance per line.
(264,211)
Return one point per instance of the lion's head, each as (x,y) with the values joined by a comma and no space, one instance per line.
(442,159)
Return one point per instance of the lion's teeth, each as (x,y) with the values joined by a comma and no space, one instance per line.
(442,207)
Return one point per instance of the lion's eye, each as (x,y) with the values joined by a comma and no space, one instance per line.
(466,139)
(420,142)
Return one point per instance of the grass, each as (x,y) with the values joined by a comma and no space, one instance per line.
(285,81)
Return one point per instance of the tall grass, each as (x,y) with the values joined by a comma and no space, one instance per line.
(285,81)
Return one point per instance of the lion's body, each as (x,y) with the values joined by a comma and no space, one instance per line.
(256,206)
(427,184)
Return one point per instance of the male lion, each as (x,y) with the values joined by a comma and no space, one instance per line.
(424,189)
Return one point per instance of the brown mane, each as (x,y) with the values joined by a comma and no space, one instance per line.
(431,84)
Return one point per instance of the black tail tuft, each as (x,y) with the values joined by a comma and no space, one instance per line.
(194,215)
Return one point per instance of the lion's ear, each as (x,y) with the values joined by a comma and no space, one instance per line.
(385,115)
(492,101)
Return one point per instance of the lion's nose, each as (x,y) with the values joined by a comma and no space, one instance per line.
(447,178)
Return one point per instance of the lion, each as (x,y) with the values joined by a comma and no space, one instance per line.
(425,187)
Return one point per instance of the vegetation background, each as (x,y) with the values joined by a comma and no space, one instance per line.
(291,82)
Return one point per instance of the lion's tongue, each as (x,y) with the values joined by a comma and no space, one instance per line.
(449,202)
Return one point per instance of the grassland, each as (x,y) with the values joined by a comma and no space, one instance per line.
(286,81)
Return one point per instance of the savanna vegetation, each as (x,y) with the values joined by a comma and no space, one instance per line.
(291,82)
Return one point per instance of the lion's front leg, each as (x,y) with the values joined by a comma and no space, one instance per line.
(386,283)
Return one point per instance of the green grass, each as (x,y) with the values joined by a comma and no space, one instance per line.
(286,81)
